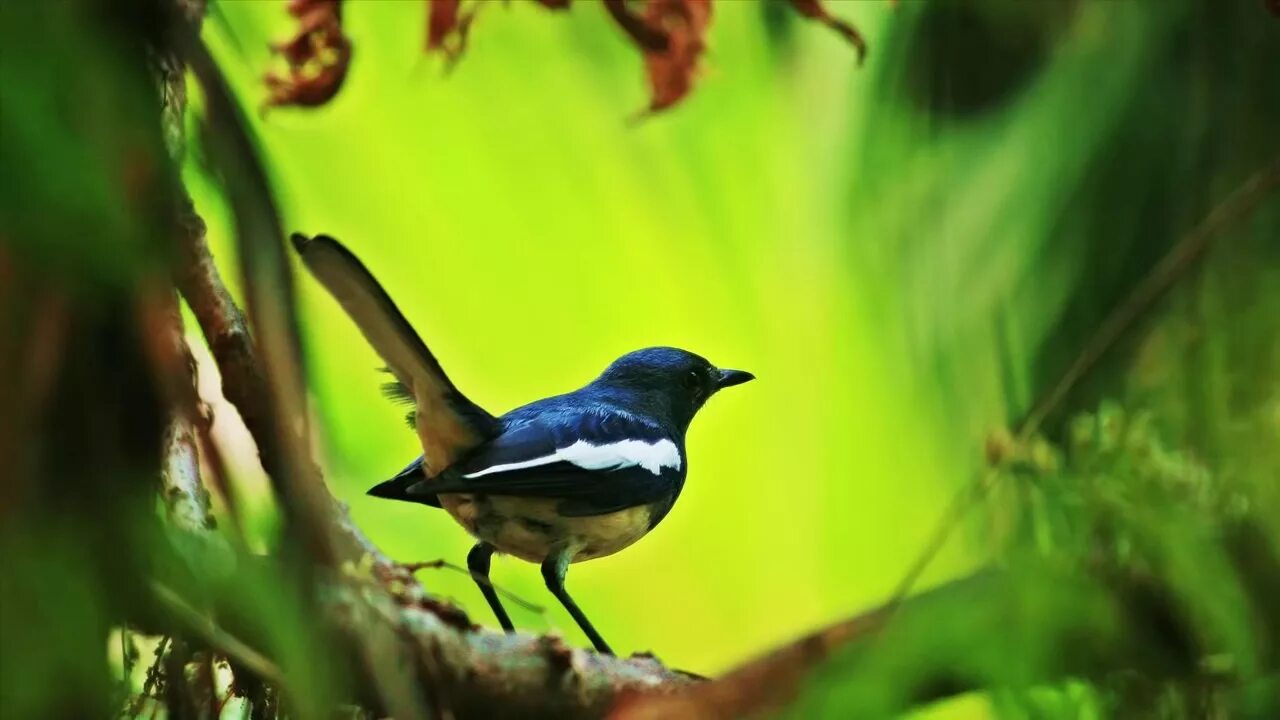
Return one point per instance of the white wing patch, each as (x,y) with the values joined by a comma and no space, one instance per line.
(652,456)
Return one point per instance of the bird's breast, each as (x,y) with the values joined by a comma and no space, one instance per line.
(530,528)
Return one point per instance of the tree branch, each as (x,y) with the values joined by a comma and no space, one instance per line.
(482,673)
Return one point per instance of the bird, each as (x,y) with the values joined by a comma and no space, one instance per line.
(565,479)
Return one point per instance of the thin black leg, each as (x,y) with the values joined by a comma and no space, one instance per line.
(478,564)
(554,569)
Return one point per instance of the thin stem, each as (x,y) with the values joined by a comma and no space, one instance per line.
(216,637)
(1163,276)
(446,565)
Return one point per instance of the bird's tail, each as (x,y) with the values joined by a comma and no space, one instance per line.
(448,424)
(398,487)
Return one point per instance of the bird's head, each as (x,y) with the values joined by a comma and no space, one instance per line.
(669,380)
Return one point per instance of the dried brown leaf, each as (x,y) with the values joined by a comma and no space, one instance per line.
(814,10)
(640,32)
(318,56)
(449,24)
(671,34)
(673,69)
(448,27)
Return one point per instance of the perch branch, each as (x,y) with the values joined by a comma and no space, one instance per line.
(483,673)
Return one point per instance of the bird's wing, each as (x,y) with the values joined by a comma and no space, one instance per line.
(448,424)
(594,462)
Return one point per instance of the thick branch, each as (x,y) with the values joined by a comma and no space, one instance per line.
(185,497)
(186,500)
(231,344)
(224,328)
(486,674)
(466,670)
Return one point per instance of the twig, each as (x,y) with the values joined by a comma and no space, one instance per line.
(217,638)
(1174,265)
(961,503)
(153,677)
(446,565)
(179,701)
(211,677)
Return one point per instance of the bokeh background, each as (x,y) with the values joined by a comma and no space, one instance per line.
(903,253)
(907,254)
(532,231)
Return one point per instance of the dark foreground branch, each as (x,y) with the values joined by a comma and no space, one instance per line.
(486,674)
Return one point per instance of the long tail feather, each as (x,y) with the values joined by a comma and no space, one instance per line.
(448,424)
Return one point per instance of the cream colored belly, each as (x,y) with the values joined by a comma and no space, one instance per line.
(530,528)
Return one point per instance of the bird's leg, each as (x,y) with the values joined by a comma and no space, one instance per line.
(554,569)
(478,564)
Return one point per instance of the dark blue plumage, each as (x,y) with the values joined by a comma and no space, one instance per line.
(538,430)
(646,397)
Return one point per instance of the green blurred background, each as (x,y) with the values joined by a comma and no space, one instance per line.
(532,233)
(905,254)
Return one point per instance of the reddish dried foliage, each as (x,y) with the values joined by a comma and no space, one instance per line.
(447,27)
(318,56)
(671,34)
(671,71)
(813,9)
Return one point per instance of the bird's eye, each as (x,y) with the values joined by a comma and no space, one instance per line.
(693,381)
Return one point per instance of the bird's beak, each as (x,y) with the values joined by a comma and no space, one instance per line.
(733,377)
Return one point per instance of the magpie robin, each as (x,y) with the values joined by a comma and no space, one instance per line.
(564,479)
